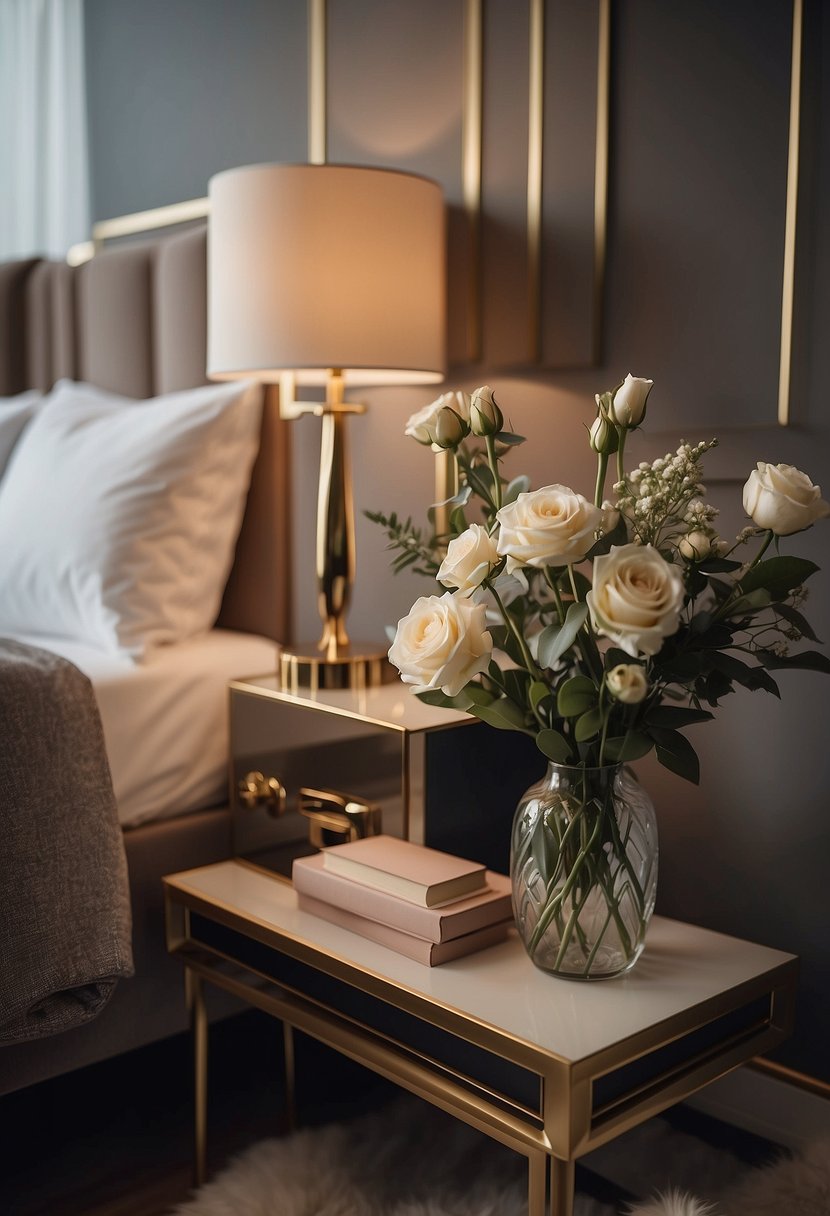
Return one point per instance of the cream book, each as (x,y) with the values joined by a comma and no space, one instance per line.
(410,871)
(440,924)
(432,954)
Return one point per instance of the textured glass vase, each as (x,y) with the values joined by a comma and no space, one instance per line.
(583,864)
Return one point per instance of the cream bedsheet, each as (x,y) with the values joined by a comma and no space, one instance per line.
(165,718)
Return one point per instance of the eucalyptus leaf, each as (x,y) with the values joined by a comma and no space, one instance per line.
(519,485)
(436,696)
(797,620)
(576,696)
(508,440)
(554,745)
(632,746)
(588,726)
(537,692)
(501,713)
(554,641)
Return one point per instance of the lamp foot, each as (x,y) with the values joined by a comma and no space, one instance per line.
(356,665)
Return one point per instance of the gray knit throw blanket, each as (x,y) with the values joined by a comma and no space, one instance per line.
(65,929)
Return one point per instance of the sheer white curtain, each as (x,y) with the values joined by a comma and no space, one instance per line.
(44,170)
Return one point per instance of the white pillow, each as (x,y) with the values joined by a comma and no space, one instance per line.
(118,518)
(15,412)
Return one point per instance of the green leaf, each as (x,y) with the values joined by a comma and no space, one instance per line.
(519,485)
(754,601)
(632,746)
(676,716)
(435,696)
(555,640)
(752,678)
(718,565)
(576,696)
(675,752)
(537,692)
(588,726)
(798,620)
(502,714)
(778,575)
(508,440)
(554,746)
(807,660)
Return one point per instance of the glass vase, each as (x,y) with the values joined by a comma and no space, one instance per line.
(583,865)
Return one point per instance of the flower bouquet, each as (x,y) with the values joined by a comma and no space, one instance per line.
(602,628)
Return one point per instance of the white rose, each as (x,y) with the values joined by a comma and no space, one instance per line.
(627,682)
(636,598)
(553,526)
(469,559)
(694,546)
(628,405)
(783,499)
(485,416)
(421,426)
(442,643)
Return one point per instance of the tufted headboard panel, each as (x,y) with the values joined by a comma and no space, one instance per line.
(133,320)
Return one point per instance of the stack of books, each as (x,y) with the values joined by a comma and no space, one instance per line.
(428,905)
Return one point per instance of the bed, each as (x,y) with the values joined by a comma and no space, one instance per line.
(132,322)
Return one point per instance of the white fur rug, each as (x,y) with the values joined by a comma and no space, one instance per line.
(409,1160)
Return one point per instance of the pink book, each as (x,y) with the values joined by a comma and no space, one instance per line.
(311,876)
(432,954)
(410,871)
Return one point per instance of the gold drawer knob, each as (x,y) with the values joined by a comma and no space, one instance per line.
(255,789)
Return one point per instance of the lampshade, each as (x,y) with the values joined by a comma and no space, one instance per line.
(312,267)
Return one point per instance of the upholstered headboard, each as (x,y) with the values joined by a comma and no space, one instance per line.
(133,320)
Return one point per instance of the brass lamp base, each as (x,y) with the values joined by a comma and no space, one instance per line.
(356,665)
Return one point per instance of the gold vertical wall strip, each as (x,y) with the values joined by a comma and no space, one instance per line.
(601,170)
(471,167)
(535,134)
(317,132)
(788,286)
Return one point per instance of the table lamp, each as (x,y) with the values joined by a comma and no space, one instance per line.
(328,275)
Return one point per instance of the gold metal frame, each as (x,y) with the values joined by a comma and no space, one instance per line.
(535,142)
(791,220)
(601,171)
(471,167)
(570,1124)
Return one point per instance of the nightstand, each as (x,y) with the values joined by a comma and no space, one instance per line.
(431,775)
(552,1068)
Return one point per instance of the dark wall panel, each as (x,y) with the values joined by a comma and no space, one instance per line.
(179,89)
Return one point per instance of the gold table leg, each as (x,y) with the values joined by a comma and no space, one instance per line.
(561,1187)
(290,1076)
(537,1184)
(199,1033)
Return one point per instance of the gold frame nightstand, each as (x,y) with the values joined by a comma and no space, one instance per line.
(551,1068)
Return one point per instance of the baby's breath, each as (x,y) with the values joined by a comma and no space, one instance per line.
(664,500)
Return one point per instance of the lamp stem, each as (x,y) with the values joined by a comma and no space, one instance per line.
(335,522)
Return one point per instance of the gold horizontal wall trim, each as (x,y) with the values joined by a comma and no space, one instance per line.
(317,101)
(790,223)
(471,119)
(148,221)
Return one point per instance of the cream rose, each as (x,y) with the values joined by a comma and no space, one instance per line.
(469,559)
(627,682)
(442,643)
(421,426)
(694,546)
(628,405)
(553,526)
(636,598)
(783,499)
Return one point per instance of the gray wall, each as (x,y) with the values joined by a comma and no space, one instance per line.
(183,88)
